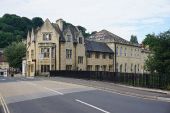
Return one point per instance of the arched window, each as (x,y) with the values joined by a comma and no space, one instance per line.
(125,67)
(135,69)
(121,68)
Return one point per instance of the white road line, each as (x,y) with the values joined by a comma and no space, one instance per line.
(4,105)
(92,106)
(45,88)
(53,90)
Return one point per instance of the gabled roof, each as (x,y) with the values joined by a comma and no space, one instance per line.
(106,36)
(97,47)
(56,27)
(72,28)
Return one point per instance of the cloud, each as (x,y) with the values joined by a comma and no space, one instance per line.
(123,17)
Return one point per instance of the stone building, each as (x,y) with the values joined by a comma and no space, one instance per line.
(4,66)
(129,58)
(61,46)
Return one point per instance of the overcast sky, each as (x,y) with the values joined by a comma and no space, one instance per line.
(121,17)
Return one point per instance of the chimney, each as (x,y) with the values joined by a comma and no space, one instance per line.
(60,23)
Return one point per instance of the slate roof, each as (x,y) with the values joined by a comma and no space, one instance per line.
(56,27)
(66,27)
(106,36)
(72,28)
(97,47)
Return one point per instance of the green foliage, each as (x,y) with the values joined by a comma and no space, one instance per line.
(160,46)
(134,39)
(151,40)
(14,54)
(83,30)
(15,28)
(37,21)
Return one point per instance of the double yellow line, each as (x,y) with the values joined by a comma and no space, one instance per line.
(3,104)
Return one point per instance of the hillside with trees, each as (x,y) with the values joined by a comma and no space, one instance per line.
(14,28)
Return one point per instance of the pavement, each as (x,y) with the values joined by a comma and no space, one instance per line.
(64,95)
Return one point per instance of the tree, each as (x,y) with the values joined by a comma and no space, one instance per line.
(37,22)
(134,39)
(83,30)
(151,40)
(14,54)
(14,28)
(159,61)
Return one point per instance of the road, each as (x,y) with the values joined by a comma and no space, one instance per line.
(35,95)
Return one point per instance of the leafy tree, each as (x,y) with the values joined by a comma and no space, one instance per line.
(37,22)
(159,61)
(14,54)
(83,30)
(15,28)
(134,39)
(151,40)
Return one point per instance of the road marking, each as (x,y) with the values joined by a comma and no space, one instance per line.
(92,106)
(4,105)
(45,88)
(53,91)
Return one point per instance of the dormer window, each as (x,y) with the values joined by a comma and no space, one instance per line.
(68,38)
(46,36)
(80,40)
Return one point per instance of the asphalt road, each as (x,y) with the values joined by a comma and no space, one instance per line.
(27,95)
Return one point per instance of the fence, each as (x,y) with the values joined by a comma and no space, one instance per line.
(139,80)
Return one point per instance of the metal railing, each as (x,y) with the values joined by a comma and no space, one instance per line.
(139,80)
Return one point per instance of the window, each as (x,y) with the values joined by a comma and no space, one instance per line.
(97,55)
(104,67)
(125,51)
(68,38)
(125,67)
(80,40)
(45,52)
(68,53)
(32,67)
(97,68)
(104,56)
(117,49)
(68,67)
(32,54)
(80,60)
(110,68)
(53,52)
(89,67)
(121,51)
(121,68)
(45,68)
(89,55)
(46,36)
(138,67)
(110,56)
(131,67)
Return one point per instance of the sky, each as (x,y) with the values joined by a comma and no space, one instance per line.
(121,17)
